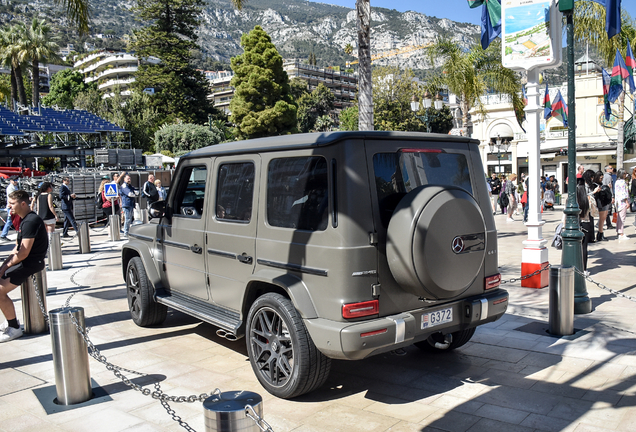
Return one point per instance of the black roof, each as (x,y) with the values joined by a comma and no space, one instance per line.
(319,139)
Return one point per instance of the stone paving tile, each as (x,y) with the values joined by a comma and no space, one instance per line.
(506,415)
(489,425)
(451,421)
(347,419)
(454,403)
(520,399)
(545,423)
(400,409)
(12,380)
(496,353)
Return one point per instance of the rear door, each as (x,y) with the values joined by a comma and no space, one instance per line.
(183,234)
(231,228)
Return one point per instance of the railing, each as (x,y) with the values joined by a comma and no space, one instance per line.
(130,69)
(114,82)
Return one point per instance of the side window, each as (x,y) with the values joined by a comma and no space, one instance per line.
(190,195)
(297,193)
(235,192)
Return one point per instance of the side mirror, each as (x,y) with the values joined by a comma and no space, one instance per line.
(157,209)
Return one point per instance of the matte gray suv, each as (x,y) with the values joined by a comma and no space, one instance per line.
(337,245)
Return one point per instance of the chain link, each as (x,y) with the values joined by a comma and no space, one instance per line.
(513,280)
(603,287)
(260,421)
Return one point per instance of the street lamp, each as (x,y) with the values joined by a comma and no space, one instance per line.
(501,146)
(426,104)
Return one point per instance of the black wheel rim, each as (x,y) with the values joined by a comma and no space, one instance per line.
(272,348)
(132,283)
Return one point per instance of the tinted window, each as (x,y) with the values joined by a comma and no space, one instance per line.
(396,174)
(235,192)
(297,193)
(191,193)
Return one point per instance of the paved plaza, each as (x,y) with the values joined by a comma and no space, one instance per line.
(511,376)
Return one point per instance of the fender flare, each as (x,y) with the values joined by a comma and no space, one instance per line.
(138,248)
(293,286)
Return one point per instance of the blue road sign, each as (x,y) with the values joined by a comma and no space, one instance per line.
(110,190)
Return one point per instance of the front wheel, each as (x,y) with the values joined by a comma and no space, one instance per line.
(144,311)
(282,354)
(439,342)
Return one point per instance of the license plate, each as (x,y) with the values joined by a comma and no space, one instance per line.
(436,318)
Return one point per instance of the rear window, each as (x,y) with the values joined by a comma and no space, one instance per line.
(396,174)
(297,193)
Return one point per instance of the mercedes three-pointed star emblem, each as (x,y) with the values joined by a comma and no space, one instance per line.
(458,245)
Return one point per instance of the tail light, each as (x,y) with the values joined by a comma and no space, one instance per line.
(492,281)
(362,309)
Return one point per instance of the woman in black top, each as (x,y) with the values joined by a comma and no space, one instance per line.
(44,205)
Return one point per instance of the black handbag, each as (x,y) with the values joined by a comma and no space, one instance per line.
(632,206)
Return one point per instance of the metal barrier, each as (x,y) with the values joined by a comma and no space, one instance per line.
(70,356)
(55,252)
(33,312)
(114,227)
(561,307)
(84,238)
(226,412)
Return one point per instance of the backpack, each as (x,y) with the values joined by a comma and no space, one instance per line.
(504,200)
(557,241)
(605,196)
(593,206)
(99,200)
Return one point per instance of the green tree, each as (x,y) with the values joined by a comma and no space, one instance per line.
(348,49)
(66,85)
(589,19)
(79,13)
(137,115)
(10,40)
(349,119)
(314,105)
(393,90)
(37,45)
(183,138)
(471,74)
(298,87)
(262,104)
(180,90)
(5,86)
(440,121)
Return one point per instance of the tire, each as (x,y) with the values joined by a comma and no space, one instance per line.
(282,354)
(459,338)
(144,311)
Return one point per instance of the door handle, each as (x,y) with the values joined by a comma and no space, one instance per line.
(244,258)
(196,249)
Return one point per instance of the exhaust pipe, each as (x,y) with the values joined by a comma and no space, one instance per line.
(448,339)
(227,335)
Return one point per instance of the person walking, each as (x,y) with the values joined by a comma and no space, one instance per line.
(604,203)
(26,259)
(632,188)
(12,187)
(44,206)
(608,181)
(622,203)
(128,195)
(495,189)
(510,190)
(163,194)
(587,226)
(149,190)
(67,207)
(592,190)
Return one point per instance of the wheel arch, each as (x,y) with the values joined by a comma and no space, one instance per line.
(285,284)
(132,250)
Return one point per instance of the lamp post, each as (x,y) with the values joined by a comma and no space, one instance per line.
(499,144)
(426,104)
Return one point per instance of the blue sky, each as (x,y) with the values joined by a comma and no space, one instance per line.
(456,10)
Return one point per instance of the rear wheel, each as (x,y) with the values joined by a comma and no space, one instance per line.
(282,354)
(144,311)
(440,342)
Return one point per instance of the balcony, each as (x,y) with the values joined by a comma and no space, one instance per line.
(115,82)
(113,71)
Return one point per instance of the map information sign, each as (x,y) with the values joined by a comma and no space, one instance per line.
(531,34)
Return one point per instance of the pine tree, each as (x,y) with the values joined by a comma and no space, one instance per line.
(180,90)
(262,104)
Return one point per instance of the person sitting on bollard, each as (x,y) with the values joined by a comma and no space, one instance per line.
(67,207)
(26,259)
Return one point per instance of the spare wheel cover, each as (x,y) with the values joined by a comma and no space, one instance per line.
(436,242)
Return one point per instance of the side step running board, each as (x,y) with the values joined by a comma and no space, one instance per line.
(229,321)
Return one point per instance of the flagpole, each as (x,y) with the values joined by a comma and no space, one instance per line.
(572,236)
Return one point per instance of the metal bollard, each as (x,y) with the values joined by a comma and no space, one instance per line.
(84,238)
(32,314)
(225,412)
(114,227)
(55,252)
(70,356)
(561,307)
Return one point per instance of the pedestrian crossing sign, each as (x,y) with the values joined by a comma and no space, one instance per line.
(110,190)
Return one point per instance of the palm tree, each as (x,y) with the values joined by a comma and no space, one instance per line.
(10,40)
(365,83)
(37,46)
(471,74)
(589,18)
(78,12)
(348,49)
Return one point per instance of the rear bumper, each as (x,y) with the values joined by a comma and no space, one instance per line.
(355,341)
